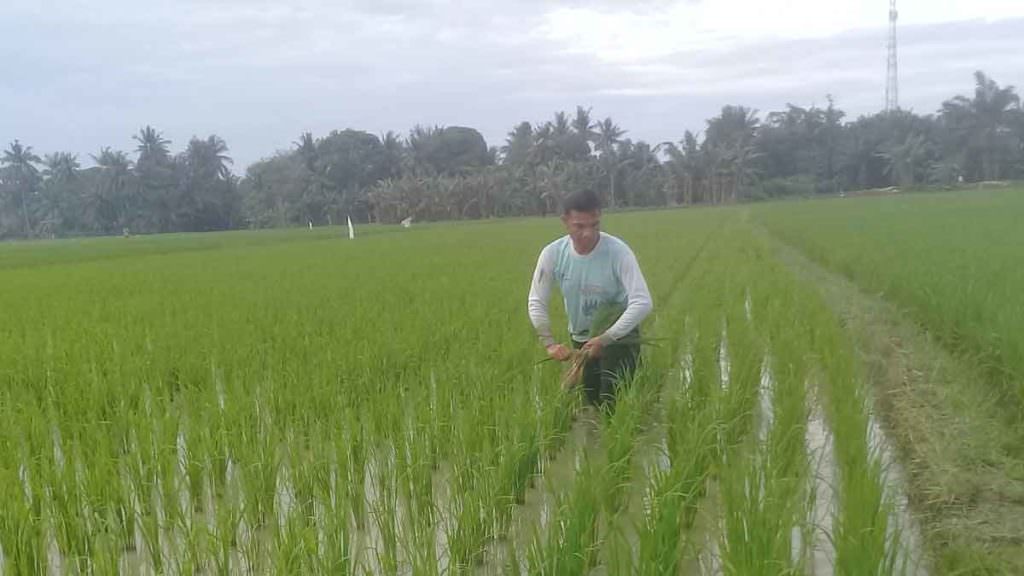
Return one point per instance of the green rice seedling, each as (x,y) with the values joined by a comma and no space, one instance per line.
(521,460)
(67,508)
(760,512)
(24,486)
(675,487)
(518,455)
(675,480)
(227,524)
(107,552)
(761,504)
(481,466)
(102,482)
(740,397)
(692,432)
(328,471)
(569,544)
(23,547)
(415,482)
(383,508)
(763,492)
(356,456)
(659,549)
(295,536)
(619,430)
(467,527)
(862,535)
(790,478)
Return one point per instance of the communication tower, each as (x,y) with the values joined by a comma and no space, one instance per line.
(892,80)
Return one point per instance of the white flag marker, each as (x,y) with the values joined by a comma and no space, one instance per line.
(351,230)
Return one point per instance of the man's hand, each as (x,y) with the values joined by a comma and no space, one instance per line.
(558,352)
(594,347)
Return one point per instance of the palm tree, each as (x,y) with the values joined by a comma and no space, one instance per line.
(305,147)
(154,168)
(60,173)
(832,132)
(206,199)
(313,179)
(153,148)
(644,160)
(583,125)
(518,144)
(60,166)
(394,151)
(735,125)
(685,166)
(743,168)
(209,157)
(560,126)
(545,147)
(983,123)
(564,143)
(110,201)
(905,160)
(420,142)
(575,145)
(550,185)
(20,171)
(729,144)
(608,136)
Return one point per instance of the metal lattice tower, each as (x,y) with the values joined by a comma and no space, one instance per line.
(892,81)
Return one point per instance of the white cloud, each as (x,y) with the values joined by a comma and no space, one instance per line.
(86,74)
(629,35)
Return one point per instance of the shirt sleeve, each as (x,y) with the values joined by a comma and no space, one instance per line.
(540,294)
(638,297)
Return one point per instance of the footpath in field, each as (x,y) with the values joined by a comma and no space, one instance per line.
(965,484)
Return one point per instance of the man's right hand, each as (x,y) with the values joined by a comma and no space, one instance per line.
(558,352)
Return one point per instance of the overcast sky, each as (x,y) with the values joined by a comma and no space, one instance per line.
(78,75)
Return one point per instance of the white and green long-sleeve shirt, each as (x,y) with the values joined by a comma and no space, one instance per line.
(610,273)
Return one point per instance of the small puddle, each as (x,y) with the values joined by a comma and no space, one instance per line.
(708,527)
(821,458)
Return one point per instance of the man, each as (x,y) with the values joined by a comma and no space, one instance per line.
(592,269)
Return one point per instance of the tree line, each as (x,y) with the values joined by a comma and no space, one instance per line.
(436,173)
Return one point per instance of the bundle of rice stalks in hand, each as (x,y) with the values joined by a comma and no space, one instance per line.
(604,318)
(577,360)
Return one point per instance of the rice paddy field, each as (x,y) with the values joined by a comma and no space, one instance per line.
(835,387)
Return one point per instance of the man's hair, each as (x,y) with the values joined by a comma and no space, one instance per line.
(581,201)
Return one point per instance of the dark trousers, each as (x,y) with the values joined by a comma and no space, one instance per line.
(601,376)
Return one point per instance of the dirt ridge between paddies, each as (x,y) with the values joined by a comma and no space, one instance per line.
(965,485)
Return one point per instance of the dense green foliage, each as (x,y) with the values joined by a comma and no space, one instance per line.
(448,173)
(951,259)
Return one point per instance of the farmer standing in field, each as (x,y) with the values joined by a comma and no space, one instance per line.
(592,269)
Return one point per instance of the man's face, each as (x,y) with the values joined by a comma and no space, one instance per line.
(584,228)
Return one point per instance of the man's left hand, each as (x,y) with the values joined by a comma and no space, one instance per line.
(594,347)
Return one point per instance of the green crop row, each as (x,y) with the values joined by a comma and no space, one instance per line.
(300,403)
